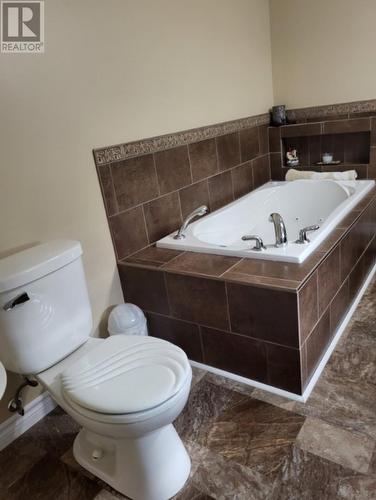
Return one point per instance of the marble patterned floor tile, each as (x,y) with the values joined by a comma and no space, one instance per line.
(254,434)
(50,479)
(357,488)
(193,494)
(355,358)
(18,458)
(69,460)
(337,445)
(106,495)
(197,375)
(190,492)
(367,306)
(55,432)
(225,479)
(197,455)
(343,403)
(372,465)
(205,402)
(309,477)
(232,385)
(274,399)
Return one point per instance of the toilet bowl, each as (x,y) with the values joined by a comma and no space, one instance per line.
(125,391)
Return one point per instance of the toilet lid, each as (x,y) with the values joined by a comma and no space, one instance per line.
(126,374)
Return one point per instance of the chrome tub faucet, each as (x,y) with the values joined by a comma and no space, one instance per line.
(259,244)
(198,212)
(303,239)
(280,229)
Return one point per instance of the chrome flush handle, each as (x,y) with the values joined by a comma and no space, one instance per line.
(17,301)
(303,239)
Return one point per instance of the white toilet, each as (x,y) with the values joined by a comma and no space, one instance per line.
(125,391)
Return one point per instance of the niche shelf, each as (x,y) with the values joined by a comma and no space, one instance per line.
(351,149)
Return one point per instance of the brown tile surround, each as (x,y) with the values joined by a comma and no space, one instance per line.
(147,196)
(270,321)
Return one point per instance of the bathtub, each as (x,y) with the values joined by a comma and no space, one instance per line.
(301,203)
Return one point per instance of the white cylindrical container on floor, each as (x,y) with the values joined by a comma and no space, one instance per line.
(127,319)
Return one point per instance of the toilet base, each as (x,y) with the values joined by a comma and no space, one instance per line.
(151,467)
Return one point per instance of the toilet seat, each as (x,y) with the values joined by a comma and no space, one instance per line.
(125,378)
(131,418)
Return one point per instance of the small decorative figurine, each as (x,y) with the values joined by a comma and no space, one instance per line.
(292,157)
(327,158)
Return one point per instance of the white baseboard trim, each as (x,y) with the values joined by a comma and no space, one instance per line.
(290,395)
(16,425)
(247,381)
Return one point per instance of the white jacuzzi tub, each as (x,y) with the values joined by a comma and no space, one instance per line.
(301,203)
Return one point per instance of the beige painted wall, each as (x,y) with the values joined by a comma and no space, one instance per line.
(323,51)
(116,71)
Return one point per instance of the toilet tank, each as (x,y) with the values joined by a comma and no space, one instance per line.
(45,312)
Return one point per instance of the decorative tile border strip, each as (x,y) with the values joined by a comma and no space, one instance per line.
(348,108)
(152,145)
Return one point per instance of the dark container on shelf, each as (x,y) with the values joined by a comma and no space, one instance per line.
(278,117)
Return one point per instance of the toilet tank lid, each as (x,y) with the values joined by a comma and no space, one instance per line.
(33,263)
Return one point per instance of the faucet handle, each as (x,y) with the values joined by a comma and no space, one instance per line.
(303,234)
(259,244)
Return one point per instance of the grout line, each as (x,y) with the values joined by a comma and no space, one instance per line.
(228,308)
(145,225)
(156,175)
(201,343)
(193,274)
(267,365)
(113,189)
(190,163)
(317,322)
(304,366)
(317,287)
(174,258)
(268,286)
(231,267)
(180,209)
(259,140)
(216,155)
(224,331)
(253,175)
(167,294)
(232,184)
(240,149)
(272,277)
(298,312)
(132,254)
